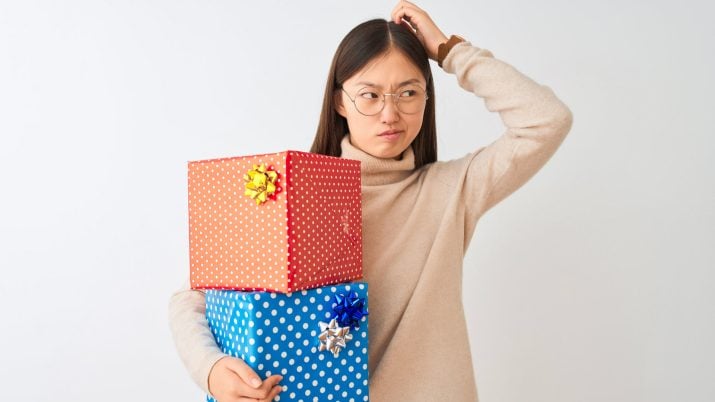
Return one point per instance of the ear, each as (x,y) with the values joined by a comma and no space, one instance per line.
(339,105)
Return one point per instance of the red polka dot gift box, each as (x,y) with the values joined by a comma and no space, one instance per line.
(278,222)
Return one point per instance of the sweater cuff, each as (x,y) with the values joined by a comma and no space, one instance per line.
(447,63)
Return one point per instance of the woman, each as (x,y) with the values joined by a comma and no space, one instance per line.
(418,214)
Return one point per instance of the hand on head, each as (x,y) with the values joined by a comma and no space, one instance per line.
(419,22)
(232,380)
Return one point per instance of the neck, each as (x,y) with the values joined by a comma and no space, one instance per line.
(379,171)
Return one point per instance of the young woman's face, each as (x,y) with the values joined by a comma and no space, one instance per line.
(390,131)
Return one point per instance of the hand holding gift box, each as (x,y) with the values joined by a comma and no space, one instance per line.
(316,339)
(231,378)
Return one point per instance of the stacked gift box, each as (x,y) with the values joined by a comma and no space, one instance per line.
(276,242)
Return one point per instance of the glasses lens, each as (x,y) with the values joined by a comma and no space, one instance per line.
(368,101)
(411,99)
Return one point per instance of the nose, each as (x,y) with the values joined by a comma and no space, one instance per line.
(390,113)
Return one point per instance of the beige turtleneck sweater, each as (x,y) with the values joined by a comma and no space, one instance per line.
(417,225)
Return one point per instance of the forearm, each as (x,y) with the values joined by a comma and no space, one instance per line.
(194,341)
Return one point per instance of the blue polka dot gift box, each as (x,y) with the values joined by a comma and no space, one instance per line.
(316,339)
(278,222)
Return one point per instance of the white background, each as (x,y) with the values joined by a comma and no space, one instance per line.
(594,282)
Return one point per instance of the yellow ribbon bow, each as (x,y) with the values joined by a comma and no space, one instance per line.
(260,183)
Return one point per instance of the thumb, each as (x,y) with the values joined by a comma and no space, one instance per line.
(411,28)
(415,31)
(407,25)
(245,372)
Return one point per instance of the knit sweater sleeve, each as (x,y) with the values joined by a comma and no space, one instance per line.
(193,338)
(536,123)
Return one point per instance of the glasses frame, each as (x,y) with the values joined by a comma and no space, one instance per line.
(395,97)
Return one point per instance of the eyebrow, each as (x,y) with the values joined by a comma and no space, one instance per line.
(371,84)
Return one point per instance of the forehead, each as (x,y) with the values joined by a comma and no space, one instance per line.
(389,70)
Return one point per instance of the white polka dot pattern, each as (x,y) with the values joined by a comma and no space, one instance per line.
(277,333)
(309,236)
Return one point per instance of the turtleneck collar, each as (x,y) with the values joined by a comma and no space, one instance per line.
(378,171)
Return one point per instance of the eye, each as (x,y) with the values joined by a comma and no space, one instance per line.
(369,95)
(407,93)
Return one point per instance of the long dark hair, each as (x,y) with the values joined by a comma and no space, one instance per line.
(361,45)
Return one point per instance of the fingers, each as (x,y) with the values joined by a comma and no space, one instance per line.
(267,391)
(232,380)
(409,15)
(271,382)
(408,26)
(245,372)
(407,11)
(270,389)
(398,12)
(274,392)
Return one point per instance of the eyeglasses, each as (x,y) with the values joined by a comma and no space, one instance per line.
(409,99)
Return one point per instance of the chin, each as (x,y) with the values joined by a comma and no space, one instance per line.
(385,154)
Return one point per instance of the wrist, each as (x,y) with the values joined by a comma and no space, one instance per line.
(211,371)
(445,47)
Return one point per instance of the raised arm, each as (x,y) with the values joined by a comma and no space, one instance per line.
(536,123)
(536,120)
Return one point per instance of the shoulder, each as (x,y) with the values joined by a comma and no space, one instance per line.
(451,172)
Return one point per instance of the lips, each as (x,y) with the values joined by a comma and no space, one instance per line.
(390,132)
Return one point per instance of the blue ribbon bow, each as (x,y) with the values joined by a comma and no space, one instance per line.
(349,309)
